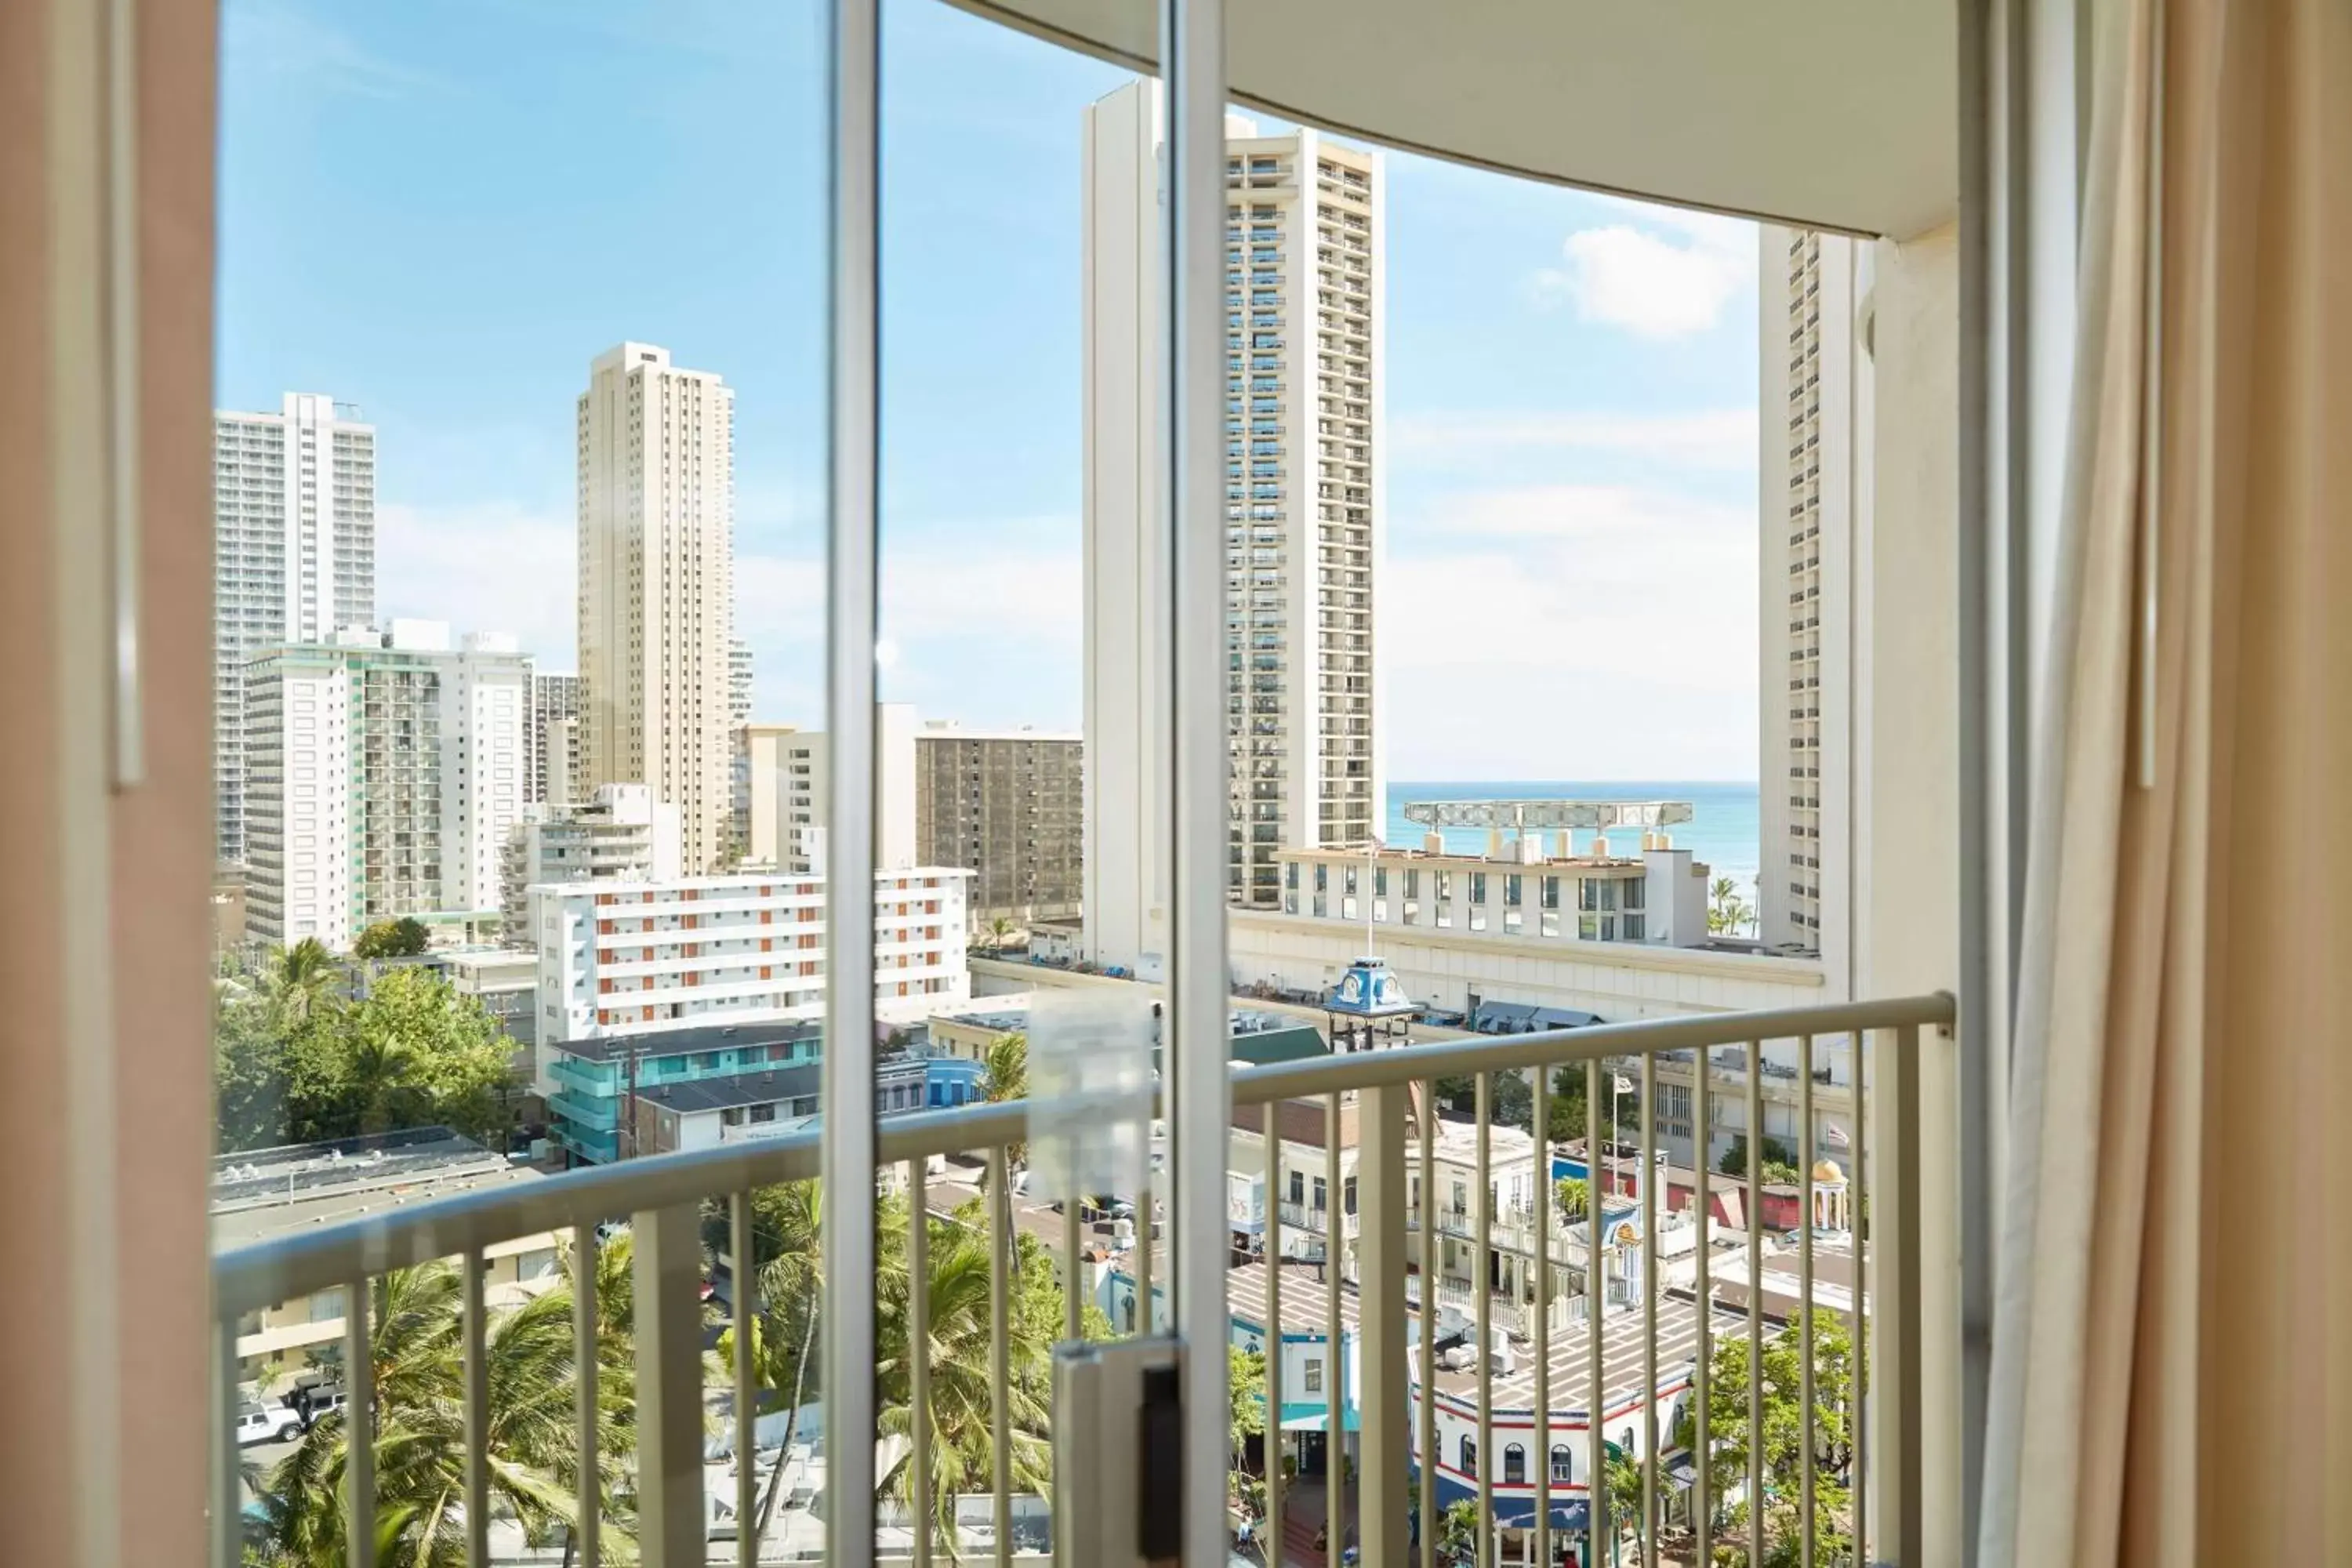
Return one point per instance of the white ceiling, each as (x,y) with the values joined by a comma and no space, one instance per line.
(1833,114)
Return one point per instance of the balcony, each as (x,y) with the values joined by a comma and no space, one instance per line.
(1418,1397)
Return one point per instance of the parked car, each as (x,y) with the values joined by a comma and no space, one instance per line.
(309,1399)
(262,1424)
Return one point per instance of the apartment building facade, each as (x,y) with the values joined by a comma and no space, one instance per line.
(552,738)
(1304,481)
(621,834)
(656,512)
(1658,896)
(293,557)
(1810,396)
(1007,806)
(385,777)
(633,957)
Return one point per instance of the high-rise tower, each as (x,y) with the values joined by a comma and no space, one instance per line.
(656,512)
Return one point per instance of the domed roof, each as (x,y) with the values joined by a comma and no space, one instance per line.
(1827,1174)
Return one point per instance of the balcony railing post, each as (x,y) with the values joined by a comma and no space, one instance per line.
(1383,1394)
(667,1268)
(1895,1315)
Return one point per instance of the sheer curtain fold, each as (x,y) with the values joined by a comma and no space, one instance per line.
(2165,1389)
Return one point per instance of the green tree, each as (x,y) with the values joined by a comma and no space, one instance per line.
(417,1360)
(404,937)
(414,1053)
(1246,1411)
(1575,1195)
(1000,933)
(1775,1154)
(1786,1427)
(1457,1533)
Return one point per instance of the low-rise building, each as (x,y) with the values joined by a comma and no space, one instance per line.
(633,957)
(1658,896)
(613,1096)
(260,1193)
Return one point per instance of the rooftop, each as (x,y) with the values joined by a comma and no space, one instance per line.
(690,1040)
(1305,1305)
(267,1192)
(798,1081)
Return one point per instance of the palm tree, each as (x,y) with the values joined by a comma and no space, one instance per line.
(416,1351)
(1000,932)
(962,1390)
(1006,1078)
(787,1264)
(295,978)
(1727,915)
(1575,1197)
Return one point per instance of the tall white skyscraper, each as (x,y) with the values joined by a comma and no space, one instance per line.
(386,775)
(293,556)
(555,699)
(1811,404)
(657,515)
(1303,471)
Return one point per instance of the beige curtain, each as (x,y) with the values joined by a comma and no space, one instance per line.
(2173,1338)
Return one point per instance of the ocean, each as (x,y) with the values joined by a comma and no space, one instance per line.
(1723,831)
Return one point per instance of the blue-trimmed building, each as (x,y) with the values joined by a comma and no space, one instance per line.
(690,1087)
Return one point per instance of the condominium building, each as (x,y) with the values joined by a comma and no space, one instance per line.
(787,802)
(1006,804)
(293,556)
(626,957)
(385,777)
(1811,397)
(621,834)
(1303,279)
(552,738)
(656,508)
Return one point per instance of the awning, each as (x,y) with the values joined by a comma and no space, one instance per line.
(1833,114)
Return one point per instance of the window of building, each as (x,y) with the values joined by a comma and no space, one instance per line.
(1322,1194)
(1562,1466)
(1290,875)
(1322,879)
(1348,1195)
(1314,1374)
(1469,1455)
(1297,1187)
(1515,1465)
(1637,892)
(1348,880)
(1634,928)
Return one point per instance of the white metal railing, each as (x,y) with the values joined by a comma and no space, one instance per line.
(1851,1495)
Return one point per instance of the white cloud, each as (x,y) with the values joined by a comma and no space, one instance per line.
(1663,273)
(496,566)
(1576,631)
(1719,439)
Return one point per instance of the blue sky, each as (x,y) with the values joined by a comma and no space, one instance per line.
(441,210)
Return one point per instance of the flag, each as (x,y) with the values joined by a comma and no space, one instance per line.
(1835,1136)
(1623,1084)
